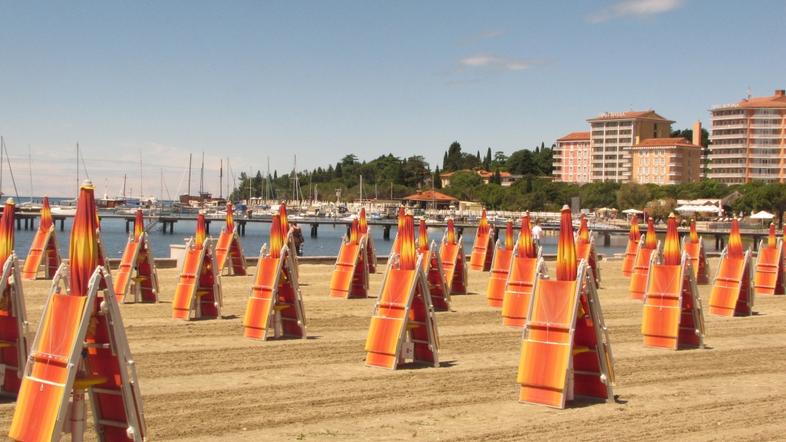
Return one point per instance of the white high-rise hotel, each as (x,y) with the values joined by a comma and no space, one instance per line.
(749,140)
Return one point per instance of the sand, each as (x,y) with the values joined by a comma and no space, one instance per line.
(202,380)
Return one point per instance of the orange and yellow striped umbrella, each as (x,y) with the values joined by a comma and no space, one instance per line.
(354,231)
(772,241)
(650,239)
(230,220)
(526,246)
(509,235)
(363,222)
(635,233)
(7,230)
(671,245)
(46,216)
(282,212)
(734,249)
(402,214)
(694,235)
(139,224)
(84,255)
(276,238)
(407,256)
(201,231)
(566,248)
(483,225)
(451,233)
(423,236)
(584,236)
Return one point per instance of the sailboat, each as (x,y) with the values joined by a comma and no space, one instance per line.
(203,199)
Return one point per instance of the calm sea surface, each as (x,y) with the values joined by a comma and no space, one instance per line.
(114,237)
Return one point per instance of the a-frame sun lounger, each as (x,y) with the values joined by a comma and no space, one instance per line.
(229,250)
(672,317)
(403,326)
(524,275)
(526,267)
(43,255)
(483,247)
(693,245)
(432,268)
(13,327)
(632,248)
(648,251)
(350,274)
(768,277)
(275,305)
(80,349)
(137,274)
(638,279)
(198,293)
(500,268)
(565,351)
(437,285)
(454,264)
(13,315)
(732,292)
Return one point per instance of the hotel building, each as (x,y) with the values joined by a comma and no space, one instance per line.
(572,158)
(666,161)
(748,140)
(612,136)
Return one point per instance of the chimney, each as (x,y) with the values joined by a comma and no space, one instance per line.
(780,92)
(697,133)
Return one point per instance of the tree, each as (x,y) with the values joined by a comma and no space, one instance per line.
(500,160)
(465,186)
(497,177)
(487,160)
(632,196)
(436,179)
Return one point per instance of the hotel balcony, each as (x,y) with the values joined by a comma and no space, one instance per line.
(740,135)
(735,116)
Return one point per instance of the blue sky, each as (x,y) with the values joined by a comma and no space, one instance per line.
(320,79)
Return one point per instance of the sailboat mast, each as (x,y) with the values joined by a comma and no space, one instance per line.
(221,178)
(189,174)
(141,194)
(202,176)
(77,169)
(2,146)
(124,186)
(30,169)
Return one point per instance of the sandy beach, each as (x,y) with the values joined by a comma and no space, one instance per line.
(202,380)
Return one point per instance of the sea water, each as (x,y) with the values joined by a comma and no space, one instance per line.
(327,243)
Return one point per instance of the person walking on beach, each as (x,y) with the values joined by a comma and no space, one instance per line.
(536,232)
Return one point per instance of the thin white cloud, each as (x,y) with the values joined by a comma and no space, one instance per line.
(495,62)
(485,35)
(634,8)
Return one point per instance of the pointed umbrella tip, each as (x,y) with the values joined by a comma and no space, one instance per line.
(565,207)
(10,201)
(87,184)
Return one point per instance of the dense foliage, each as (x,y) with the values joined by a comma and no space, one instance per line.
(389,177)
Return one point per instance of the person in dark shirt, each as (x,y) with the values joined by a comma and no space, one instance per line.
(297,236)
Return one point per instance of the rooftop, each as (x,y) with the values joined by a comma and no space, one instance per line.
(630,115)
(661,142)
(430,195)
(575,136)
(777,101)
